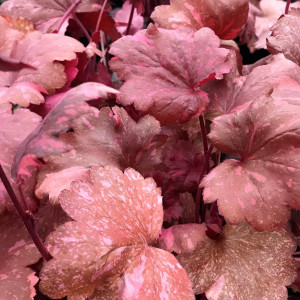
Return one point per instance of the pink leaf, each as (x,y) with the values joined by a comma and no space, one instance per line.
(225,19)
(262,186)
(17,251)
(242,264)
(163,81)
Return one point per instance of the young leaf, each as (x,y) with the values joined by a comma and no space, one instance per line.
(17,251)
(109,138)
(264,184)
(225,19)
(46,14)
(242,264)
(117,217)
(164,80)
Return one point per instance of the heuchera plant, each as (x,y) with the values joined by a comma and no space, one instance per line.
(140,159)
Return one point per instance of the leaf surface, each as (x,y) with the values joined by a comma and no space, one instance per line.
(109,137)
(164,81)
(242,264)
(225,19)
(264,184)
(15,128)
(17,251)
(116,216)
(46,14)
(43,141)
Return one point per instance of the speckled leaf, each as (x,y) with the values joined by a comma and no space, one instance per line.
(43,141)
(108,138)
(225,17)
(271,11)
(242,264)
(17,251)
(264,184)
(235,91)
(167,280)
(44,52)
(46,14)
(164,70)
(13,130)
(182,238)
(116,216)
(285,38)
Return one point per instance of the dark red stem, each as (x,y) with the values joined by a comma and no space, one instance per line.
(83,29)
(100,16)
(288,3)
(199,190)
(26,218)
(130,18)
(204,137)
(67,13)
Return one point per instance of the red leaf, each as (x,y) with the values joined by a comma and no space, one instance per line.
(225,19)
(162,80)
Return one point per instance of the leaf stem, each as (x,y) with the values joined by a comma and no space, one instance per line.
(199,190)
(26,218)
(204,137)
(67,13)
(100,16)
(75,18)
(288,3)
(130,18)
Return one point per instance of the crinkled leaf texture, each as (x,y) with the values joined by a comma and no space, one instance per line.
(43,141)
(242,264)
(105,137)
(13,130)
(225,17)
(264,184)
(164,69)
(44,52)
(118,216)
(46,14)
(17,251)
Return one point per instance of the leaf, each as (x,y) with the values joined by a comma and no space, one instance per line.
(182,238)
(122,17)
(225,19)
(45,14)
(11,64)
(164,81)
(15,127)
(284,38)
(271,11)
(109,137)
(235,92)
(116,216)
(17,251)
(43,141)
(263,185)
(242,264)
(44,52)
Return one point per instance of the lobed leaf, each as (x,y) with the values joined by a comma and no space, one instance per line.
(163,71)
(116,216)
(242,264)
(225,19)
(263,185)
